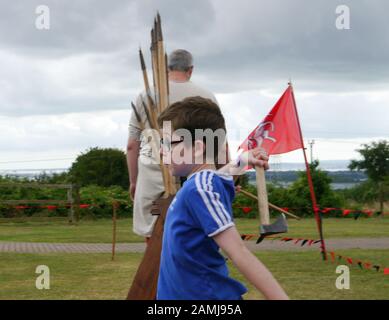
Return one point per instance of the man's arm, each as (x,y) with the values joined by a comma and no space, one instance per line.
(254,271)
(135,127)
(133,147)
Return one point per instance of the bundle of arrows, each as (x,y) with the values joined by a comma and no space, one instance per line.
(144,284)
(156,100)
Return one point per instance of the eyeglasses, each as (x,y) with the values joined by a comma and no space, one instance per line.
(167,145)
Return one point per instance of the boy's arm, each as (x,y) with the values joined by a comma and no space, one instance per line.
(254,271)
(254,157)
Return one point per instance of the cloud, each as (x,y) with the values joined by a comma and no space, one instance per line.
(322,115)
(69,84)
(75,26)
(85,69)
(69,131)
(256,44)
(88,59)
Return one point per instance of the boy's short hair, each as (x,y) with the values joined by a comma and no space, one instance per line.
(195,113)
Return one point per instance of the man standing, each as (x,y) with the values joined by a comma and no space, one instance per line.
(146,183)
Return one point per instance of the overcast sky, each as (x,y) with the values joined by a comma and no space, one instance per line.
(68,88)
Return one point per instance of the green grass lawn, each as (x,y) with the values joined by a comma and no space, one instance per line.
(100,231)
(59,230)
(332,227)
(94,276)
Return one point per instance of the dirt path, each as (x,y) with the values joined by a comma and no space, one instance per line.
(332,244)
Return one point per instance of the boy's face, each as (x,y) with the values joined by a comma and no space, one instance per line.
(178,155)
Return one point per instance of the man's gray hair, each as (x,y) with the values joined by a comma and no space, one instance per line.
(180,60)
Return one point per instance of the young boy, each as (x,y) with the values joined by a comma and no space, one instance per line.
(199,220)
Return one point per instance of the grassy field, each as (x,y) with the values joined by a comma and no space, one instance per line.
(94,276)
(58,230)
(100,231)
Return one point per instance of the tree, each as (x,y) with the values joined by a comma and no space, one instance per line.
(54,178)
(375,163)
(299,196)
(102,167)
(244,180)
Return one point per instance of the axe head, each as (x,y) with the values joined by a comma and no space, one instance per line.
(280,226)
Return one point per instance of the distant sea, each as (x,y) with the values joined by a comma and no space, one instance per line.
(31,173)
(284,177)
(285,173)
(326,165)
(334,185)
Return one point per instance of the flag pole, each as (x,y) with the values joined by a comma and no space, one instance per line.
(310,183)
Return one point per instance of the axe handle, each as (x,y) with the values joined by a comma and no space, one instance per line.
(263,205)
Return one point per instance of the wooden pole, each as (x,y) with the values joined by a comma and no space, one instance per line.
(114,208)
(161,66)
(150,102)
(167,80)
(71,202)
(263,206)
(154,66)
(76,191)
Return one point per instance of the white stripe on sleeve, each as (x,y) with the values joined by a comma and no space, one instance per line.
(205,199)
(221,229)
(215,200)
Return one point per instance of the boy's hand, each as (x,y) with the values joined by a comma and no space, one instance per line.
(256,157)
(252,158)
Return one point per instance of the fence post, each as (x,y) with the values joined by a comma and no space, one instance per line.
(76,192)
(114,209)
(71,202)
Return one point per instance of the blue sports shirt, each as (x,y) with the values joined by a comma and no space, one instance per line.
(192,267)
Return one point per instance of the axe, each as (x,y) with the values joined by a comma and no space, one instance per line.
(265,228)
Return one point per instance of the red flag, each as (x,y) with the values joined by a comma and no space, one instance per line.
(279,131)
(368,212)
(246,209)
(21,207)
(347,212)
(326,210)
